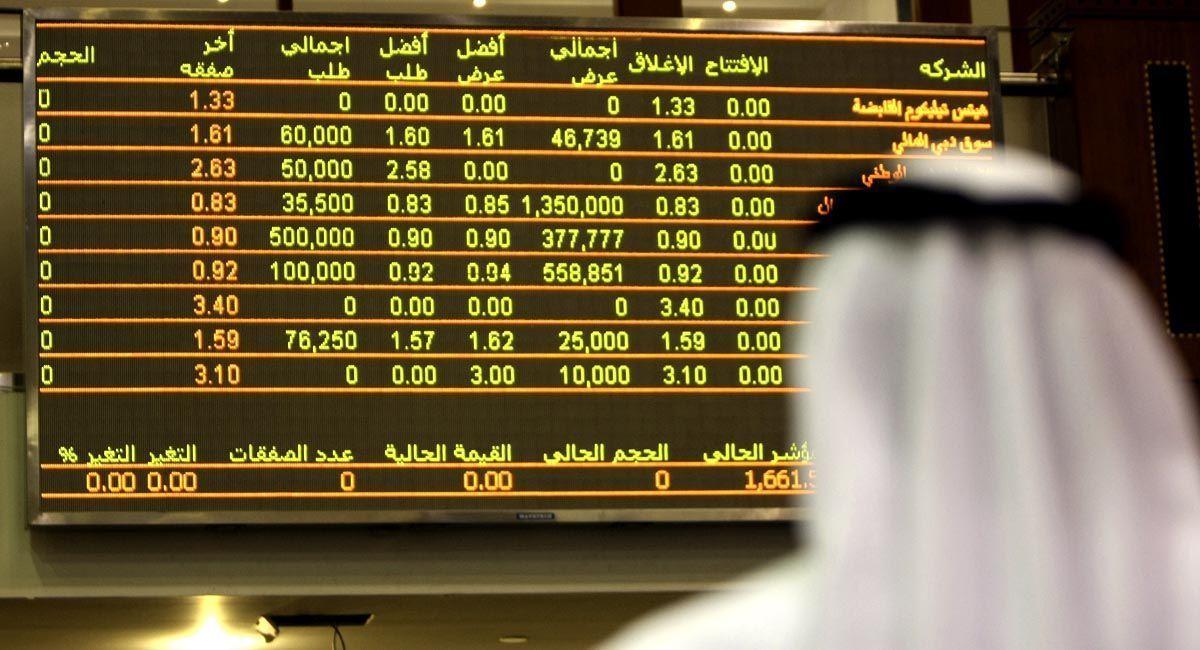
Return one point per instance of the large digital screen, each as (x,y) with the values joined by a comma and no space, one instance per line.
(316,268)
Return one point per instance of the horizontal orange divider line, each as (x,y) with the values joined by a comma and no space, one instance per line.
(418,321)
(575,220)
(417,253)
(595,33)
(403,355)
(611,187)
(521,85)
(514,465)
(423,287)
(417,495)
(566,119)
(616,153)
(545,390)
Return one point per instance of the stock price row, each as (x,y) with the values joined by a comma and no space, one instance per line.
(461,373)
(346,481)
(612,106)
(746,273)
(408,237)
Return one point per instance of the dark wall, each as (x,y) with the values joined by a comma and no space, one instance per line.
(11,227)
(1110,127)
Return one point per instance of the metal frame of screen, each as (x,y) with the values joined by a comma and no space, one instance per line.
(30,17)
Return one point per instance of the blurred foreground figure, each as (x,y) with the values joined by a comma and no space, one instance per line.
(1006,455)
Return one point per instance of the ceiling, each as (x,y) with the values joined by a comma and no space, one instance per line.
(449,622)
(745,8)
(773,9)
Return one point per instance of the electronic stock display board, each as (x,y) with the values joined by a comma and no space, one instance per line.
(318,268)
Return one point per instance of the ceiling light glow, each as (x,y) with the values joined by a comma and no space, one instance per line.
(479,4)
(729,6)
(210,632)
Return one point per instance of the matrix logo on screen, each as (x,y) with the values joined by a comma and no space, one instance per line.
(324,272)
